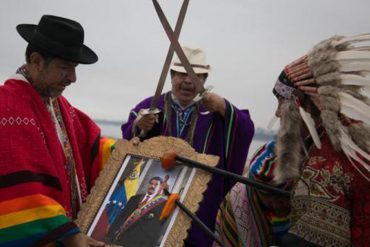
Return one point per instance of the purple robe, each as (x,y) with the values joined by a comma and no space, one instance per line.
(228,137)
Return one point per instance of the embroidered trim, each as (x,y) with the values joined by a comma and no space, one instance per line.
(72,112)
(17,120)
(315,215)
(283,90)
(22,121)
(324,183)
(321,222)
(76,199)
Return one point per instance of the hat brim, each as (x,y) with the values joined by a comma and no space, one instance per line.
(197,70)
(87,56)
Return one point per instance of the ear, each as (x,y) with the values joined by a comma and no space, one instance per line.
(37,60)
(296,100)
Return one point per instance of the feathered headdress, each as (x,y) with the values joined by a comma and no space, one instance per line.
(339,68)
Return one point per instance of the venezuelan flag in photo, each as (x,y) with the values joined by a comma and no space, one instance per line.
(132,181)
(124,191)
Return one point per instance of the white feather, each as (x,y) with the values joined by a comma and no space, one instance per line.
(310,123)
(350,55)
(347,152)
(353,39)
(354,108)
(349,111)
(347,140)
(360,48)
(354,79)
(354,65)
(365,73)
(350,149)
(365,90)
(272,123)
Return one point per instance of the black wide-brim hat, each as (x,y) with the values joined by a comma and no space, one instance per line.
(60,37)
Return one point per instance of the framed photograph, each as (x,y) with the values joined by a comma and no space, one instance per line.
(124,206)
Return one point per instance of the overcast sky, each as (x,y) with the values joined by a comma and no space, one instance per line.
(247,42)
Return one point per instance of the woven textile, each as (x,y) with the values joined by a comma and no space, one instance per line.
(331,203)
(33,172)
(246,220)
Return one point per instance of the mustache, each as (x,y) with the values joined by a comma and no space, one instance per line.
(66,83)
(187,87)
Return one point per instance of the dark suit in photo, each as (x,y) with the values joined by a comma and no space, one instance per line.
(138,225)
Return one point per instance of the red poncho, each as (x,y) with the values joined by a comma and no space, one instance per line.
(34,185)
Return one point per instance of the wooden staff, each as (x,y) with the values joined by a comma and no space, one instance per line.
(169,161)
(174,199)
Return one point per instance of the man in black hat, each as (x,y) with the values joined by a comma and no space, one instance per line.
(48,148)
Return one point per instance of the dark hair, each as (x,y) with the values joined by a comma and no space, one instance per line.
(48,57)
(156,178)
(307,103)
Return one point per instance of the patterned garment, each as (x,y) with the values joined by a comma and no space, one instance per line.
(244,219)
(331,203)
(35,191)
(228,137)
(235,225)
(24,220)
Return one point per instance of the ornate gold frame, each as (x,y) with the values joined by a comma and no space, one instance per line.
(152,148)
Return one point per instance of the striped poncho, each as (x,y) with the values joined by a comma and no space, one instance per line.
(245,218)
(35,198)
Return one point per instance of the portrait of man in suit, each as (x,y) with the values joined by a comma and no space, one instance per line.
(138,223)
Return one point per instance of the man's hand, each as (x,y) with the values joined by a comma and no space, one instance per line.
(81,240)
(135,140)
(146,122)
(214,103)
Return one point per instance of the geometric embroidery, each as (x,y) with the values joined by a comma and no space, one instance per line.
(321,222)
(72,112)
(18,120)
(21,121)
(283,90)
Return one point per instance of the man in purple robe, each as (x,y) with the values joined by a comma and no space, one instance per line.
(212,126)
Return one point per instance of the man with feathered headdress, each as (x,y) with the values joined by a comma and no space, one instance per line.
(322,147)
